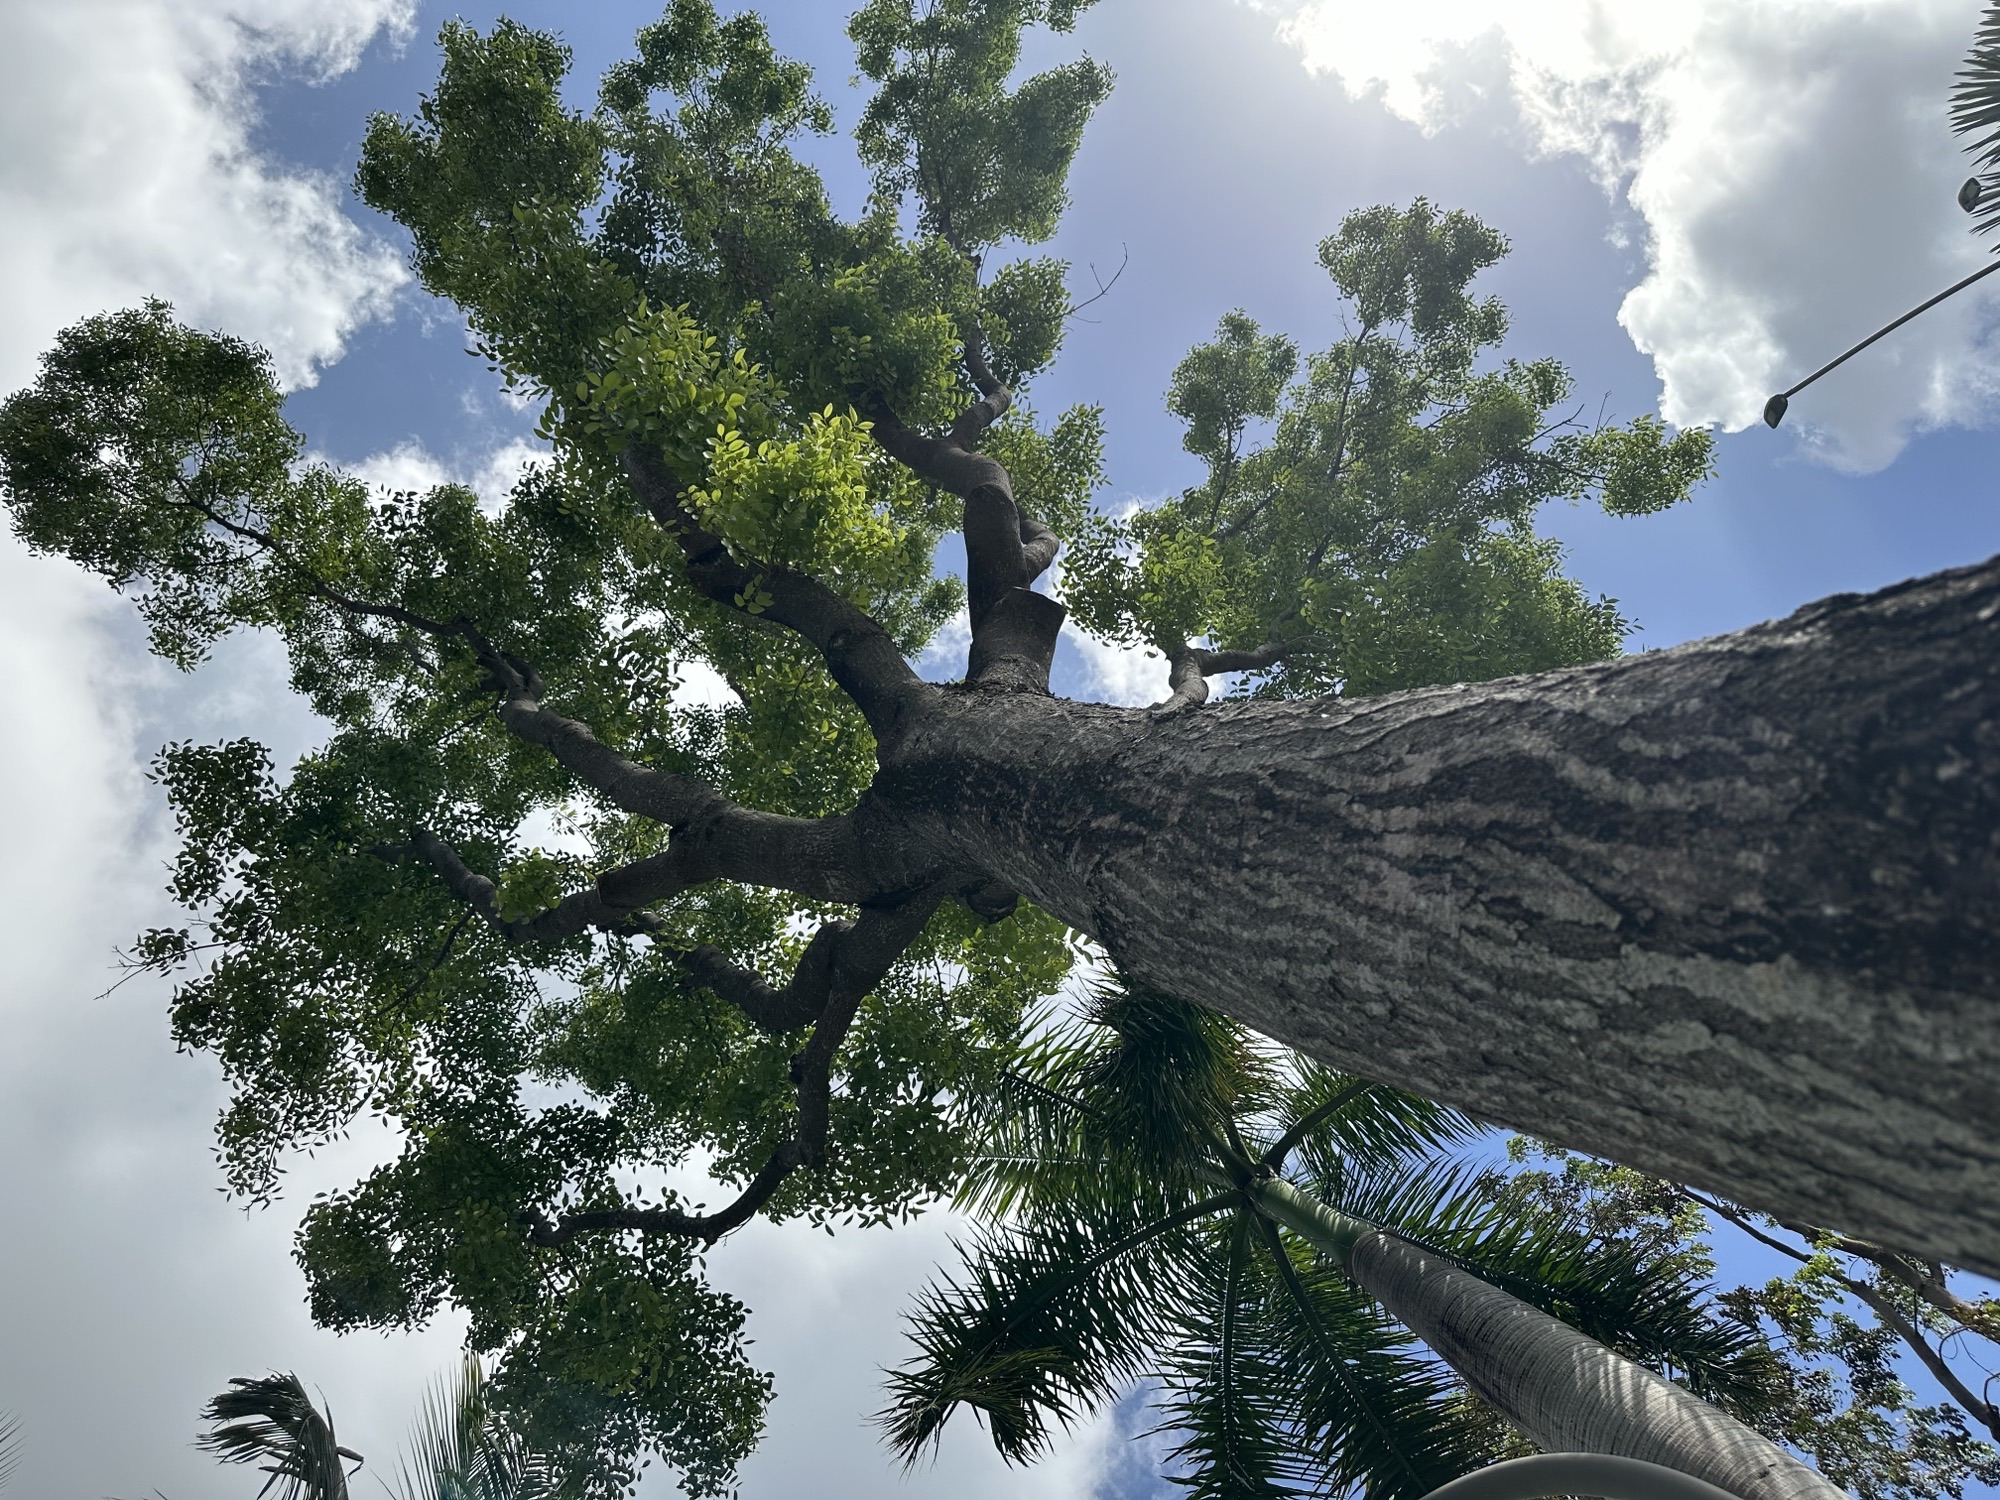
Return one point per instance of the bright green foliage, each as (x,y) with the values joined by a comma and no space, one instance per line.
(1385,522)
(1842,1396)
(987,164)
(1113,1258)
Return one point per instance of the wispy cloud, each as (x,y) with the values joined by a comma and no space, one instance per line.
(410,467)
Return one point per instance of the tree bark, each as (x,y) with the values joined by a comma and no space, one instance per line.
(1725,913)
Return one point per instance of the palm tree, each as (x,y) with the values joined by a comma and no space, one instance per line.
(10,1446)
(1975,111)
(462,1452)
(271,1421)
(1182,1203)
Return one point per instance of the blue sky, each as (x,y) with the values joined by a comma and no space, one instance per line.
(1706,198)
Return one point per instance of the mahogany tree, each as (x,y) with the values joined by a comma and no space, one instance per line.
(1724,913)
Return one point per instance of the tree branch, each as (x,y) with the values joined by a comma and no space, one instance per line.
(1190,668)
(573,914)
(1925,1278)
(771,1009)
(842,963)
(859,653)
(1884,1309)
(713,837)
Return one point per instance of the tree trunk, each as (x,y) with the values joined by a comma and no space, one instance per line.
(1725,913)
(1563,1391)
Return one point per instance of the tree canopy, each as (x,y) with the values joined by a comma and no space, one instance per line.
(567,930)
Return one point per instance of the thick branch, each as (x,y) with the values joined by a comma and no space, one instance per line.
(798,1003)
(1190,668)
(1935,1362)
(995,560)
(859,653)
(713,838)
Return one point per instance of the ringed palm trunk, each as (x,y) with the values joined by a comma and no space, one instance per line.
(1563,1391)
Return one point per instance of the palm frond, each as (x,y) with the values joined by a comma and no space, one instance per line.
(1166,1074)
(462,1451)
(272,1422)
(1975,111)
(1337,1118)
(10,1446)
(1375,1409)
(1036,1144)
(1050,1322)
(1239,1440)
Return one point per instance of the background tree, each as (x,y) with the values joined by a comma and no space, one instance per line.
(1177,1204)
(1838,1323)
(568,935)
(1382,536)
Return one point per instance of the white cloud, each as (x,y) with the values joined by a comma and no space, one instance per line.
(701,686)
(1789,160)
(409,467)
(1130,675)
(127,1284)
(943,656)
(128,171)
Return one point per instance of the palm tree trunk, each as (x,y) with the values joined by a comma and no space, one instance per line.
(1563,1391)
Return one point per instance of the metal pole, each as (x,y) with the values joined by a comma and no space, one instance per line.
(1774,409)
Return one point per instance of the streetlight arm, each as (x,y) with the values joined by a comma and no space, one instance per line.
(1774,409)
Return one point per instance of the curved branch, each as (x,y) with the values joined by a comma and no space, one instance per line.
(713,837)
(841,965)
(671,1221)
(769,1008)
(1190,668)
(860,654)
(574,914)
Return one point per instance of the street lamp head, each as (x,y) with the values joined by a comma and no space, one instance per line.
(1774,410)
(1970,194)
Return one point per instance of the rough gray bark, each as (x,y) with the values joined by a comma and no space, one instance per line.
(1562,1390)
(1725,913)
